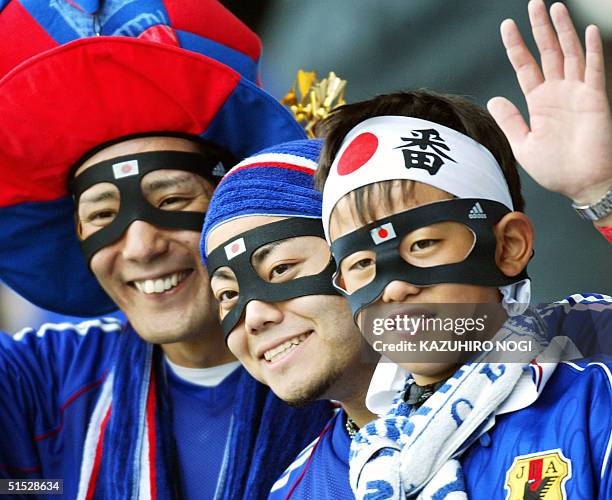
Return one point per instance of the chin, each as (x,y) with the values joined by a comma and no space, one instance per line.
(156,333)
(315,390)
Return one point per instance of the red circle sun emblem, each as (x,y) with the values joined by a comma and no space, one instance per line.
(234,248)
(358,153)
(126,168)
(383,233)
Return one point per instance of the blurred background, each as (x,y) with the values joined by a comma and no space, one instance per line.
(447,46)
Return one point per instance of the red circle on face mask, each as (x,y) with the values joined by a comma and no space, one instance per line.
(383,233)
(358,153)
(235,247)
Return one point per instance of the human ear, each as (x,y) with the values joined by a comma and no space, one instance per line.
(514,235)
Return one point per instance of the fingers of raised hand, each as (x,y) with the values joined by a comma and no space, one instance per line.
(573,55)
(510,121)
(525,66)
(594,75)
(546,40)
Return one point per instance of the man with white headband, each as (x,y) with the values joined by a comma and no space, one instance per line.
(421,204)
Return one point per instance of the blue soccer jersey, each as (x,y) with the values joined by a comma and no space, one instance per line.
(557,447)
(321,471)
(552,437)
(52,379)
(201,422)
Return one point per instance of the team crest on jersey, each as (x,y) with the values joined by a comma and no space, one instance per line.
(539,476)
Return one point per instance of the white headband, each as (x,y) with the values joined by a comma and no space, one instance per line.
(388,148)
(398,147)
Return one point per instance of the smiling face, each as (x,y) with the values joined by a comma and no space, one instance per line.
(303,348)
(154,274)
(440,243)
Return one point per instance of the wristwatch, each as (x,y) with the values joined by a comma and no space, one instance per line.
(597,210)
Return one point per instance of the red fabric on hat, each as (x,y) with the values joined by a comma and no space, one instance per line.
(219,24)
(32,38)
(160,34)
(61,104)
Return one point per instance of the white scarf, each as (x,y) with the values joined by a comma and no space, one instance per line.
(416,454)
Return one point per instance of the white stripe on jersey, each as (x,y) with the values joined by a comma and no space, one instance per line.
(299,461)
(93,436)
(581,298)
(597,363)
(606,456)
(104,324)
(609,374)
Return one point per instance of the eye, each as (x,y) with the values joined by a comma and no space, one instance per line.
(279,270)
(173,202)
(101,216)
(227,297)
(362,264)
(422,245)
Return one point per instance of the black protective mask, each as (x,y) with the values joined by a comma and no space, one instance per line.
(126,174)
(478,268)
(251,285)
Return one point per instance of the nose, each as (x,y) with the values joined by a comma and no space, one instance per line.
(398,291)
(143,242)
(260,315)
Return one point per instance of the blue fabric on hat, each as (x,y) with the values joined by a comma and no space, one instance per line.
(266,189)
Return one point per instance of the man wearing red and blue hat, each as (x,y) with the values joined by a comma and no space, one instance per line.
(111,148)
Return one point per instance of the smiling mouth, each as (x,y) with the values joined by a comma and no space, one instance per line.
(161,284)
(279,352)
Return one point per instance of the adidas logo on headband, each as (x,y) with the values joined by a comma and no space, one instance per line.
(429,153)
(476,212)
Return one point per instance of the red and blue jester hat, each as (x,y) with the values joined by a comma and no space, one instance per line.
(62,96)
(202,26)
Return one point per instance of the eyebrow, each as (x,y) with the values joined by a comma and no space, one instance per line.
(108,194)
(165,183)
(263,252)
(223,274)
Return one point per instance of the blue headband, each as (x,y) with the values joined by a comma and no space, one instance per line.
(277,181)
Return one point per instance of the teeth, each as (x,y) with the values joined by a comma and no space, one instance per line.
(282,350)
(160,285)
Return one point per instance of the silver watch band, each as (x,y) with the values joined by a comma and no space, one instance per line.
(597,210)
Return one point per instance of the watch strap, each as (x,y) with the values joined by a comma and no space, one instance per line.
(597,210)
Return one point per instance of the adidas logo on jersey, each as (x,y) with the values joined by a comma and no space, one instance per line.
(476,212)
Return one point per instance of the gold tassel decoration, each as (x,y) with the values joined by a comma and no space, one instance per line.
(316,98)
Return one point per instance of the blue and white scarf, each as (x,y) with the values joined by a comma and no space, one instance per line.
(129,450)
(410,454)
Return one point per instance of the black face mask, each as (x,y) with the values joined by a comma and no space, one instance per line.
(478,268)
(251,285)
(126,174)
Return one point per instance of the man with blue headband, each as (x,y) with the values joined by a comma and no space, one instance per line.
(271,271)
(111,148)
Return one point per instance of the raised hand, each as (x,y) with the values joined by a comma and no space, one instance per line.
(567,146)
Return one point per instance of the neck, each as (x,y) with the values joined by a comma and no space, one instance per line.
(424,380)
(357,411)
(354,387)
(199,354)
